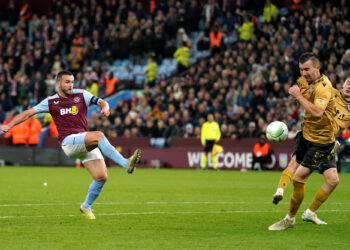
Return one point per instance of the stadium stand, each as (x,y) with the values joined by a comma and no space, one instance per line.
(242,81)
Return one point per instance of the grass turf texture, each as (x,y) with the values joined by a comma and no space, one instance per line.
(162,209)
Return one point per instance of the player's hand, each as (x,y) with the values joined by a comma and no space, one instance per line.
(5,128)
(105,111)
(294,91)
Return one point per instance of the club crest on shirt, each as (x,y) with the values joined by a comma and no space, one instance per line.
(76,99)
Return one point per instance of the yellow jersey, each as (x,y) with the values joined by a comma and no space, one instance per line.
(210,131)
(342,112)
(320,93)
(342,107)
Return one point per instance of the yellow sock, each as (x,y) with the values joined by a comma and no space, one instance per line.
(286,177)
(320,197)
(204,160)
(215,164)
(297,197)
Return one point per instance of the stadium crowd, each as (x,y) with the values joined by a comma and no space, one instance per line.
(243,83)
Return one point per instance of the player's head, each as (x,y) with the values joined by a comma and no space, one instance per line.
(346,88)
(309,66)
(65,82)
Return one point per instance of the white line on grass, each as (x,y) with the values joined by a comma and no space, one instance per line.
(147,203)
(157,213)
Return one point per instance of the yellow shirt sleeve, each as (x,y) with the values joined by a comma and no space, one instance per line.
(323,94)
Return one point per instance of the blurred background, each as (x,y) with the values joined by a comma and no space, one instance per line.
(163,66)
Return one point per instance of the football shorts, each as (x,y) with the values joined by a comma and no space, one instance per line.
(74,147)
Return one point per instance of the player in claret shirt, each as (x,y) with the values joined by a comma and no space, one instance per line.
(68,109)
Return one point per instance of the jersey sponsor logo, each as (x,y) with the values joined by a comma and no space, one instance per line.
(56,102)
(67,111)
(76,99)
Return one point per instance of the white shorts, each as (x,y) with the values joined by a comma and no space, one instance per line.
(74,147)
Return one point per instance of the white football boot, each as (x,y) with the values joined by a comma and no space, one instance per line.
(310,216)
(285,223)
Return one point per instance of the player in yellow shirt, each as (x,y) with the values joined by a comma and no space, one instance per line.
(210,133)
(313,145)
(342,121)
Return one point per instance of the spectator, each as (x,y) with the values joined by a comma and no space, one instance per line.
(37,88)
(216,40)
(251,131)
(202,43)
(172,130)
(110,84)
(189,131)
(90,75)
(34,130)
(151,72)
(147,130)
(246,30)
(181,37)
(182,56)
(270,12)
(75,60)
(19,134)
(261,152)
(92,87)
(157,136)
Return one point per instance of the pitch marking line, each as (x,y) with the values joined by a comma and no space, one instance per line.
(155,213)
(147,203)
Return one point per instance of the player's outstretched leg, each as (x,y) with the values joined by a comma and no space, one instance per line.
(110,151)
(135,158)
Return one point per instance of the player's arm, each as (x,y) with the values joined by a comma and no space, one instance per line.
(19,119)
(91,99)
(104,107)
(311,108)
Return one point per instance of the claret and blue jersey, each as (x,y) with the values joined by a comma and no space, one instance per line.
(69,114)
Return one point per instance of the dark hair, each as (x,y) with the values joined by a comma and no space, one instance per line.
(63,73)
(309,56)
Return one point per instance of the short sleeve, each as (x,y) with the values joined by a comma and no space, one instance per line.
(323,94)
(90,98)
(42,107)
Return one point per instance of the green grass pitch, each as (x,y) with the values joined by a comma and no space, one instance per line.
(162,209)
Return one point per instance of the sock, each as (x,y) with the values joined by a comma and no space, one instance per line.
(94,191)
(297,197)
(215,164)
(285,179)
(204,160)
(109,151)
(320,197)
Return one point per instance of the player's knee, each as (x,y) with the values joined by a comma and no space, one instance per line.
(333,182)
(101,178)
(99,135)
